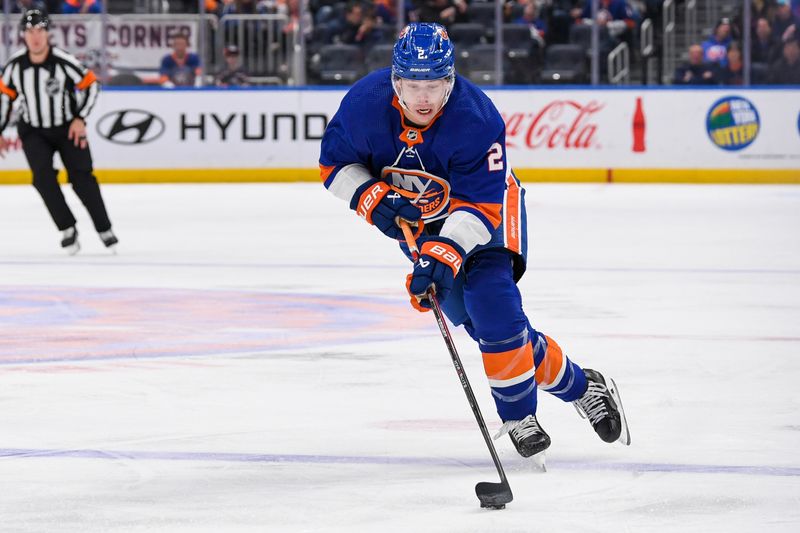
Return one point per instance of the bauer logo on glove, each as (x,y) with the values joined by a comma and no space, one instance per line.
(438,264)
(370,198)
(376,203)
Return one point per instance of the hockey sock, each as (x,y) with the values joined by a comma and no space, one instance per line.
(509,368)
(555,373)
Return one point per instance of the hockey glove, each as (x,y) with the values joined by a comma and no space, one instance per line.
(437,266)
(378,204)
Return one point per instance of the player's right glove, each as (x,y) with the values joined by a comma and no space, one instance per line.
(378,204)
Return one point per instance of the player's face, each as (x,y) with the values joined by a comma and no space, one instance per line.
(36,39)
(423,99)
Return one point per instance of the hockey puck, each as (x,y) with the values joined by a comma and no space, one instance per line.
(493,506)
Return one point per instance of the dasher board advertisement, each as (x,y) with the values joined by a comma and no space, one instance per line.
(130,42)
(715,135)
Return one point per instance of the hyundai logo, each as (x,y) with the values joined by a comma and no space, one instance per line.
(130,126)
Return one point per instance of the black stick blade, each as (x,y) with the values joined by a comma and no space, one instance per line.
(494,495)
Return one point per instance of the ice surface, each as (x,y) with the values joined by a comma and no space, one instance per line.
(249,362)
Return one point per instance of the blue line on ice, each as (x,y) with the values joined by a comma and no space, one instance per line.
(28,453)
(113,262)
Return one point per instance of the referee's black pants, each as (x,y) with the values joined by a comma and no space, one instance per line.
(40,145)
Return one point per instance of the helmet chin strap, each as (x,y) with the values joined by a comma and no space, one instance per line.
(396,86)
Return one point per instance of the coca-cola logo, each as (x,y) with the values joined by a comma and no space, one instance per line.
(559,124)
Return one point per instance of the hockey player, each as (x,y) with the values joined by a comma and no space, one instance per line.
(419,143)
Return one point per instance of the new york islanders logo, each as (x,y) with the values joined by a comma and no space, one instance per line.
(431,194)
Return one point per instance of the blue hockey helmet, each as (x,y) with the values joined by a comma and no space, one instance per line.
(423,51)
(34,18)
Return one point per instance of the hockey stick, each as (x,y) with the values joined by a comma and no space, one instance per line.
(491,495)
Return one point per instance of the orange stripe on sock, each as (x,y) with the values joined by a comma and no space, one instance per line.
(549,368)
(508,364)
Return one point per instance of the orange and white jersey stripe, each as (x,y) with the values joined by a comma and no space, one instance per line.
(512,214)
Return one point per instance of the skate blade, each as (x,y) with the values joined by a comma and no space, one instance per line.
(533,464)
(625,434)
(539,462)
(73,248)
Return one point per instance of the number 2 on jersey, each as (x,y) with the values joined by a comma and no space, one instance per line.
(495,157)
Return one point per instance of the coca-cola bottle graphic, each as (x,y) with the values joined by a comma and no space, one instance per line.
(638,127)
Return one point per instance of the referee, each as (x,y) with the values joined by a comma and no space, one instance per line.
(55,93)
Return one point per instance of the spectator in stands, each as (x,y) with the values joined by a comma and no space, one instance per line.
(733,72)
(696,71)
(234,74)
(530,17)
(291,8)
(20,6)
(244,7)
(386,11)
(715,48)
(762,9)
(766,47)
(444,12)
(608,41)
(617,9)
(181,68)
(784,20)
(559,19)
(191,6)
(357,25)
(615,14)
(74,7)
(786,70)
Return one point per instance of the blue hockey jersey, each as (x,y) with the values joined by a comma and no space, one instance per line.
(454,168)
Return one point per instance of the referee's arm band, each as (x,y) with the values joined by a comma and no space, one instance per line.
(8,91)
(87,80)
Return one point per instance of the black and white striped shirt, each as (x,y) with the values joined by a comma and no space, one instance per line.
(51,93)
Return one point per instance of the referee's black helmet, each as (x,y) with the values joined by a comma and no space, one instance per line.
(34,18)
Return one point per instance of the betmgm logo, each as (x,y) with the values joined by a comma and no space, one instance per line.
(431,194)
(130,126)
(733,123)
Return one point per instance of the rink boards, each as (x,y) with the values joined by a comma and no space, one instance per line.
(569,134)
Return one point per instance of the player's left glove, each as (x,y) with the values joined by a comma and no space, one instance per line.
(438,264)
(378,204)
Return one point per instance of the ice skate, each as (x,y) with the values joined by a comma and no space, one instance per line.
(526,434)
(602,405)
(69,240)
(109,239)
